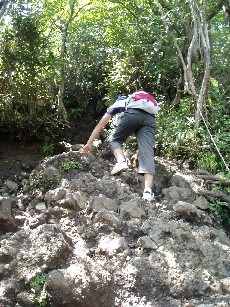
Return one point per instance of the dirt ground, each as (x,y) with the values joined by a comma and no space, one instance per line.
(16,158)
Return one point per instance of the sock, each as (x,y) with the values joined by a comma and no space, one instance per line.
(120,160)
(148,190)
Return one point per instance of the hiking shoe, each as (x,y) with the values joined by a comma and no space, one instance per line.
(119,167)
(148,196)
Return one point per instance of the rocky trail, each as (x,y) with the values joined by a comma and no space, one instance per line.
(73,235)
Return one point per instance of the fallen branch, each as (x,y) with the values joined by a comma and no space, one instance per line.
(214,180)
(210,177)
(215,195)
(220,183)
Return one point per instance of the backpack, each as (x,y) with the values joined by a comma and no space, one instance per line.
(144,101)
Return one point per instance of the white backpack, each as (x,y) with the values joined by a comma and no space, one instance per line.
(144,101)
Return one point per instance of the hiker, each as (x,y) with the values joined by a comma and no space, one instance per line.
(138,117)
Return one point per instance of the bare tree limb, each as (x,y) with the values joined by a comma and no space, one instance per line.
(215,195)
(213,178)
(175,44)
(203,30)
(191,49)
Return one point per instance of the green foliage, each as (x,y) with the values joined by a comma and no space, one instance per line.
(38,181)
(42,299)
(38,281)
(74,114)
(37,285)
(41,204)
(175,132)
(48,149)
(56,177)
(176,137)
(26,104)
(112,48)
(208,161)
(220,208)
(221,185)
(25,69)
(70,165)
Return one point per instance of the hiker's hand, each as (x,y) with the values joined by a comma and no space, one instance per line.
(86,148)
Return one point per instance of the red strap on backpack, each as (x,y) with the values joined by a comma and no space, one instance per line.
(146,96)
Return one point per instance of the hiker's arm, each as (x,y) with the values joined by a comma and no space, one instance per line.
(104,121)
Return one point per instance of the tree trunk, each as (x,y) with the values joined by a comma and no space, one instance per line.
(61,88)
(200,26)
(61,107)
(180,89)
(3,7)
(191,52)
(199,34)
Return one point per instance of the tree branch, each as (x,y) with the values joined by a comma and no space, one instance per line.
(219,6)
(3,6)
(215,195)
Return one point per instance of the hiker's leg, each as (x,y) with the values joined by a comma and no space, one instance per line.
(128,124)
(148,181)
(148,193)
(145,140)
(119,155)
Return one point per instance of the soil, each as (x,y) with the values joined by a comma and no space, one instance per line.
(17,158)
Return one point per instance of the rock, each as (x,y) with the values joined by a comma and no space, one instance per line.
(41,207)
(131,209)
(201,202)
(225,284)
(112,244)
(102,245)
(42,248)
(81,284)
(108,218)
(146,242)
(6,216)
(26,299)
(74,201)
(187,210)
(54,195)
(101,202)
(174,194)
(186,181)
(9,188)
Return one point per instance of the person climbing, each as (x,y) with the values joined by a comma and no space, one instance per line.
(138,117)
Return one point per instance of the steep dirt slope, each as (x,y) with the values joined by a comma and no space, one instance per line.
(77,236)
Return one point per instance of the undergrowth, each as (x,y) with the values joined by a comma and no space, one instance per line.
(177,138)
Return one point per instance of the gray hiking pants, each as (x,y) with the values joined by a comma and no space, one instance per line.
(143,125)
